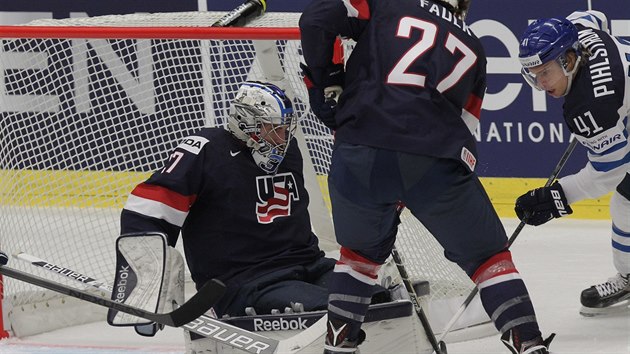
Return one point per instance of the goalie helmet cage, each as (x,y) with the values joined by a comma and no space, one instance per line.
(89,107)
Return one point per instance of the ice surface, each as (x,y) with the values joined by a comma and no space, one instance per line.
(557,261)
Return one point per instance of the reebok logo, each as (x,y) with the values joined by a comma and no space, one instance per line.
(121,285)
(279,324)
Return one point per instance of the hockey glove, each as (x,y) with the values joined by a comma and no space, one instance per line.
(323,98)
(540,205)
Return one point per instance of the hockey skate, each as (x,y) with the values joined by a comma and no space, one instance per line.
(611,297)
(534,346)
(337,341)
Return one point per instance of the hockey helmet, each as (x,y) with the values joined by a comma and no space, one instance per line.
(547,40)
(460,7)
(261,115)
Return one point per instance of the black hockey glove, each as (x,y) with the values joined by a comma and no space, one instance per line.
(540,205)
(323,98)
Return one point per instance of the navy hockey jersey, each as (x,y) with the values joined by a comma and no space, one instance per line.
(415,80)
(596,109)
(236,222)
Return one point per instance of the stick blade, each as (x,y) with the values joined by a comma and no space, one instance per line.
(202,301)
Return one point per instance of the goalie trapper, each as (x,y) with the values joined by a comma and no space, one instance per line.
(610,297)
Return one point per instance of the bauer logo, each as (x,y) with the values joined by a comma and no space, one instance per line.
(557,199)
(275,195)
(65,271)
(230,335)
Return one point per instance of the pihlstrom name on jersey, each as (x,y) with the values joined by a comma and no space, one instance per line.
(599,67)
(445,14)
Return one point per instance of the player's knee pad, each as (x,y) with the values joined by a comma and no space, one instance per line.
(619,211)
(624,187)
(620,205)
(357,266)
(495,269)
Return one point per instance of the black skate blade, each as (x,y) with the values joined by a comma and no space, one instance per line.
(619,309)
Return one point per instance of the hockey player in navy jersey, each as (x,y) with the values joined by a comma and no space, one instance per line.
(239,200)
(404,121)
(576,58)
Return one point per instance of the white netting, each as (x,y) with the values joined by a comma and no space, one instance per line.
(82,121)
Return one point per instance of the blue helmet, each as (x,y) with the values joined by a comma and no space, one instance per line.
(547,39)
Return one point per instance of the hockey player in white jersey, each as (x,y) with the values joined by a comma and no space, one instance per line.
(576,58)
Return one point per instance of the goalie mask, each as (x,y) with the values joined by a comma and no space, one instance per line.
(262,116)
(545,45)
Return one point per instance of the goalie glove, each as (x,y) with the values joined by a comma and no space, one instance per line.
(323,98)
(540,205)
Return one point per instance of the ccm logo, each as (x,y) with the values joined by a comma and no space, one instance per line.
(279,325)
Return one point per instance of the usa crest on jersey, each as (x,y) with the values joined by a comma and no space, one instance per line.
(275,196)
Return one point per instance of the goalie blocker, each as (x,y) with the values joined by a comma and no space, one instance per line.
(150,276)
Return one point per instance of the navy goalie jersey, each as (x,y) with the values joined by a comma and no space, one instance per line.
(236,222)
(415,80)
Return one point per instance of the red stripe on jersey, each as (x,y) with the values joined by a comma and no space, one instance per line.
(164,196)
(358,263)
(362,7)
(499,264)
(473,106)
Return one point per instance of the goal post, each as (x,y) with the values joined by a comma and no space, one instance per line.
(90,107)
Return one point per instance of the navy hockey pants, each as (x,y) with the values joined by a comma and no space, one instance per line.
(366,183)
(306,284)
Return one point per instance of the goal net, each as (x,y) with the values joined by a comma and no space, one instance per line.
(90,107)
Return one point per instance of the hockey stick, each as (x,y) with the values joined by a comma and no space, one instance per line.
(517,231)
(243,14)
(438,347)
(68,273)
(203,325)
(209,294)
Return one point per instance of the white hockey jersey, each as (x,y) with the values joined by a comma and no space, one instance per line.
(597,108)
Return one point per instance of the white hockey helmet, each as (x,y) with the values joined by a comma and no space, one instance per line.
(261,115)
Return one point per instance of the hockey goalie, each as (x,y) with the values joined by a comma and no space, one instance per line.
(237,196)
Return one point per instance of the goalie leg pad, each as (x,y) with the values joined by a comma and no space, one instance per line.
(149,275)
(200,345)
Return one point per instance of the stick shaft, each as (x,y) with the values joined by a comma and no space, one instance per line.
(554,174)
(414,299)
(190,310)
(62,271)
